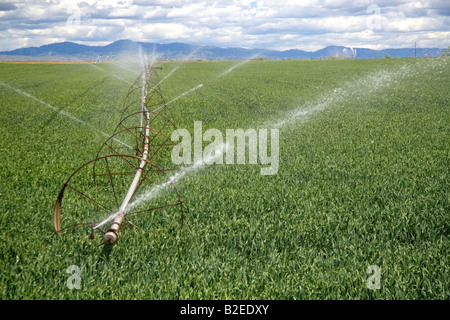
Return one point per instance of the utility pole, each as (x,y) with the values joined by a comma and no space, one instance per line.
(415,49)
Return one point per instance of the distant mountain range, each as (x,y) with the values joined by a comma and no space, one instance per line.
(181,51)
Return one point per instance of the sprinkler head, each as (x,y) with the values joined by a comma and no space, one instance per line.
(110,237)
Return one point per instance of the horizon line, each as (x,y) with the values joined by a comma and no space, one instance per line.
(199,46)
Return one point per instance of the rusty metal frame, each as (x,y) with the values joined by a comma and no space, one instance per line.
(143,153)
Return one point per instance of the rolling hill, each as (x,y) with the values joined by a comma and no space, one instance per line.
(177,51)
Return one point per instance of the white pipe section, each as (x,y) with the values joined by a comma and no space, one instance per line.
(111,236)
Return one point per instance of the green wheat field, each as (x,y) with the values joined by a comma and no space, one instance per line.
(363,181)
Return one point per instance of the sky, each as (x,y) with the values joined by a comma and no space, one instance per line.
(259,24)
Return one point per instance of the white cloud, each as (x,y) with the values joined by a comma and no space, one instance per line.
(307,25)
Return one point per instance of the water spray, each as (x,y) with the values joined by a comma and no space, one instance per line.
(128,181)
(62,112)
